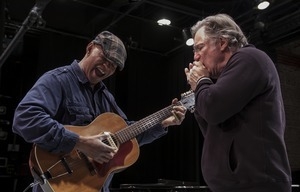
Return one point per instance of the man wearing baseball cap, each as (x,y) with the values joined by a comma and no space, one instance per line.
(76,95)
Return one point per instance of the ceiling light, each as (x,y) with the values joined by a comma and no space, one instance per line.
(189,42)
(263,4)
(164,22)
(187,37)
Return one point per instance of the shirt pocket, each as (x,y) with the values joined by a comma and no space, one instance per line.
(79,115)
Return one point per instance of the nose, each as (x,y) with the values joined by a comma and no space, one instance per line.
(196,56)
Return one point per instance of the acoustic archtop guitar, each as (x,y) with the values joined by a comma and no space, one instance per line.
(77,172)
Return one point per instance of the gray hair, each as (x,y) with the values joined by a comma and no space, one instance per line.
(222,25)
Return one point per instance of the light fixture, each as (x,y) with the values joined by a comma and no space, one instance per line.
(187,37)
(189,42)
(164,22)
(260,21)
(263,4)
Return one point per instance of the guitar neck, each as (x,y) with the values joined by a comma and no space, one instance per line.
(142,125)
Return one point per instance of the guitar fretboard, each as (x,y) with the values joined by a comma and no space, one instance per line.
(142,125)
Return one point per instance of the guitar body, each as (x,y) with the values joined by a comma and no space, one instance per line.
(76,172)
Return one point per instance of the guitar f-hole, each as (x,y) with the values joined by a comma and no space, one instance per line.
(65,165)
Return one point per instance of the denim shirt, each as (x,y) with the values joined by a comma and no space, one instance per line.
(61,97)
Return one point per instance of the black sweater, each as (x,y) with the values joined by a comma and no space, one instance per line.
(242,119)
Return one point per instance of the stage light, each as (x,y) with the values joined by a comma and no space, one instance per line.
(187,37)
(263,4)
(164,22)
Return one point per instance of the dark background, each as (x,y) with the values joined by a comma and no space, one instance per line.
(153,74)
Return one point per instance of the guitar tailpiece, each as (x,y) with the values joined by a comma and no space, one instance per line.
(34,184)
(43,179)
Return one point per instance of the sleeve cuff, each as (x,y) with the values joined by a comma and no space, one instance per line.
(203,78)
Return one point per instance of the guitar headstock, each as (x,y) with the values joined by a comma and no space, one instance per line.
(188,100)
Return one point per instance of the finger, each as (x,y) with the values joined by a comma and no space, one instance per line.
(186,71)
(103,135)
(175,116)
(179,115)
(179,108)
(174,101)
(101,159)
(198,63)
(106,156)
(111,149)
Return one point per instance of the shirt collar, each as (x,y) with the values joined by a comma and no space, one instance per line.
(81,76)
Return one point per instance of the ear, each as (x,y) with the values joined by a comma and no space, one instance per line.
(89,48)
(223,43)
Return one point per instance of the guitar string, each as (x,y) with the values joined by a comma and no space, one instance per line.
(142,125)
(123,135)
